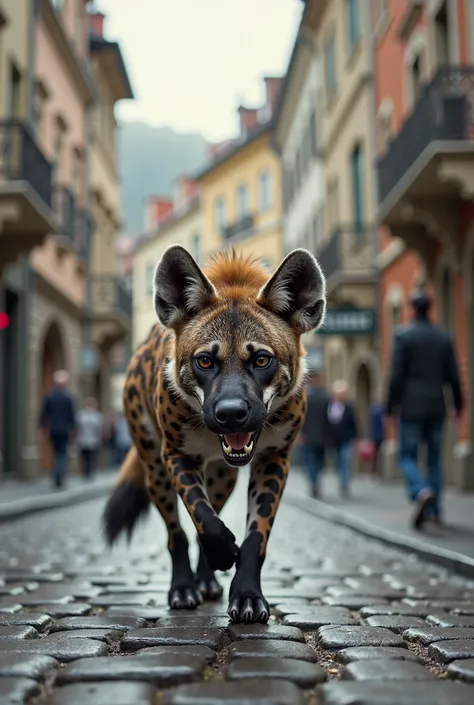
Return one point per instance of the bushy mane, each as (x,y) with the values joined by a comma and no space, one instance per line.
(232,270)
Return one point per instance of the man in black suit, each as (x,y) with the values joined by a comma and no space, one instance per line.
(423,364)
(58,422)
(313,431)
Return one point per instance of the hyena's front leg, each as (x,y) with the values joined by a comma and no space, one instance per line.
(216,540)
(267,481)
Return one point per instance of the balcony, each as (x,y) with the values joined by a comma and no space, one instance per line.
(432,157)
(83,232)
(25,191)
(240,227)
(347,258)
(64,207)
(111,310)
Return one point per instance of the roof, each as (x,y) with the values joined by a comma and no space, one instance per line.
(235,148)
(99,45)
(166,224)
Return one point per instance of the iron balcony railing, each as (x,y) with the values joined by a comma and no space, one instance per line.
(241,226)
(64,206)
(110,296)
(83,232)
(444,111)
(349,250)
(22,160)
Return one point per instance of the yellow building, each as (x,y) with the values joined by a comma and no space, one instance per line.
(183,227)
(241,197)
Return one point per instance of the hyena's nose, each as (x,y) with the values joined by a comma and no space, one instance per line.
(232,414)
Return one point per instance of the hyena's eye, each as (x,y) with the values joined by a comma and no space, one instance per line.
(204,362)
(261,361)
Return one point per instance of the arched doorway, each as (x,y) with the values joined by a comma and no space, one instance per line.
(52,358)
(363,399)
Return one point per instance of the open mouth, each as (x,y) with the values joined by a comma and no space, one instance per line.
(238,448)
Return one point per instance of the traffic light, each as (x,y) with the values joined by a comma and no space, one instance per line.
(4,320)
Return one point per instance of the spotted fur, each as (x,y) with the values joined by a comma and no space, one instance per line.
(230,313)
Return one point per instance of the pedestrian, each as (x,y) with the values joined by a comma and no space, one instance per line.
(89,436)
(313,430)
(110,437)
(423,364)
(123,439)
(377,434)
(341,431)
(58,422)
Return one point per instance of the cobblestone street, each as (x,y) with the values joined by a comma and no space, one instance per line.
(354,623)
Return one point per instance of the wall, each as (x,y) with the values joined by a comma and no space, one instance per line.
(14,48)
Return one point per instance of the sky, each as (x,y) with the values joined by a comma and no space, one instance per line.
(192,62)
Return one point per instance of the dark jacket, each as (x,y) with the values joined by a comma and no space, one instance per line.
(57,413)
(315,421)
(345,430)
(423,363)
(377,431)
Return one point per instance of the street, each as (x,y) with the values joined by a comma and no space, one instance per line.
(353,621)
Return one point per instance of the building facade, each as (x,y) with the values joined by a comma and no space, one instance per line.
(241,194)
(423,56)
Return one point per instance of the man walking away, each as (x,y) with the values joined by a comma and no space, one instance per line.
(377,435)
(341,429)
(89,437)
(313,431)
(423,363)
(57,420)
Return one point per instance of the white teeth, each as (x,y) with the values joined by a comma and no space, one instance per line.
(248,449)
(227,449)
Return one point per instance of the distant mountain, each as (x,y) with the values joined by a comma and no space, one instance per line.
(150,159)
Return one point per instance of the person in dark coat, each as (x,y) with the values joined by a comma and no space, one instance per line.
(313,430)
(58,421)
(377,434)
(341,431)
(423,364)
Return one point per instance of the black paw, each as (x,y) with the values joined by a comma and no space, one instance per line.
(248,606)
(209,589)
(184,597)
(218,545)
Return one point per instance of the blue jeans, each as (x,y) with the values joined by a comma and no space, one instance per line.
(343,458)
(313,457)
(59,443)
(412,433)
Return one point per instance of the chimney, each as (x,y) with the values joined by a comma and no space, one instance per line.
(248,119)
(97,24)
(272,89)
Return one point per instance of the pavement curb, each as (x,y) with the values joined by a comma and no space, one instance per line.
(451,560)
(57,499)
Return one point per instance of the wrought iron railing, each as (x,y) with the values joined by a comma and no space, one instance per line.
(21,159)
(83,232)
(110,296)
(64,205)
(243,225)
(348,250)
(444,111)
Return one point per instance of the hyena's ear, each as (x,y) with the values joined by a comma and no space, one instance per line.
(181,290)
(297,291)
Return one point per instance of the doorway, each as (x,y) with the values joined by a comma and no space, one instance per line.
(11,385)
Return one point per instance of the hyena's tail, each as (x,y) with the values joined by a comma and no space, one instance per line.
(129,501)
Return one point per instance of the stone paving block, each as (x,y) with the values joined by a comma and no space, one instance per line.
(252,691)
(59,646)
(396,609)
(146,589)
(466,609)
(11,590)
(386,670)
(155,636)
(18,632)
(163,670)
(302,673)
(150,614)
(195,620)
(363,653)
(18,576)
(105,694)
(10,607)
(395,693)
(122,624)
(397,623)
(119,599)
(36,599)
(40,622)
(429,635)
(319,617)
(57,611)
(462,670)
(195,650)
(344,637)
(261,648)
(16,691)
(17,665)
(238,632)
(105,635)
(385,593)
(352,602)
(448,621)
(445,651)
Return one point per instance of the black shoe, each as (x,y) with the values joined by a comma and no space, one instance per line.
(422,510)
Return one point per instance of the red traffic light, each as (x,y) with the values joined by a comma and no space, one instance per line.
(4,320)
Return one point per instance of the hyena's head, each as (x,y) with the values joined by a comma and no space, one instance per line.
(237,350)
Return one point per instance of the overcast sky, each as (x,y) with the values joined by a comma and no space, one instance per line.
(191,62)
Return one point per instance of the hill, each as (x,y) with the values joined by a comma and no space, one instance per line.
(150,159)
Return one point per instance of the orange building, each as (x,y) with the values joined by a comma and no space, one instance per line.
(423,54)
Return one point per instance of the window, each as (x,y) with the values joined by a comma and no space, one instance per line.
(58,151)
(242,201)
(353,24)
(196,247)
(396,314)
(333,203)
(416,77)
(76,172)
(265,190)
(357,168)
(312,132)
(385,125)
(318,230)
(150,270)
(14,96)
(330,67)
(443,53)
(221,215)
